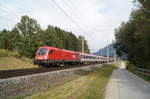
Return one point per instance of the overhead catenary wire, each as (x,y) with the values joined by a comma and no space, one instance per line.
(67,15)
(12,9)
(11,12)
(72,20)
(78,16)
(8,10)
(18,29)
(82,17)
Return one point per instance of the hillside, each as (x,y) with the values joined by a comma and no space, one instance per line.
(7,63)
(103,51)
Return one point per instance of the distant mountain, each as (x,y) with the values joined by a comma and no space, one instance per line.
(103,51)
(111,51)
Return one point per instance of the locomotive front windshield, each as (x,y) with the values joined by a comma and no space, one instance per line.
(42,51)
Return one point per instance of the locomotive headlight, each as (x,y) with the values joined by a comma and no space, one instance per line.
(45,57)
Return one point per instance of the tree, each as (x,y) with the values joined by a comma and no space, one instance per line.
(29,39)
(86,49)
(133,37)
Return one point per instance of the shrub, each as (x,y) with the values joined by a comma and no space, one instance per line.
(130,67)
(5,53)
(14,54)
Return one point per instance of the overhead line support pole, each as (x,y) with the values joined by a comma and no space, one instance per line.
(82,45)
(107,53)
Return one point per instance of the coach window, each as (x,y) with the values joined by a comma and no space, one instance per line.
(81,56)
(86,57)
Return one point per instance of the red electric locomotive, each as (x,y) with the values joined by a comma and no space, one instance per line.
(50,55)
(54,56)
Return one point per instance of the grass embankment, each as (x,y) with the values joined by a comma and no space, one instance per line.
(12,60)
(7,63)
(90,86)
(130,67)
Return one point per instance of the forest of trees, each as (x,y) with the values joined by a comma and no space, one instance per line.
(27,36)
(133,37)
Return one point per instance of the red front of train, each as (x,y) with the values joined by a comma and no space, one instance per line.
(52,55)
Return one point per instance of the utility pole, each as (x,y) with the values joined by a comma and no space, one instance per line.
(115,57)
(100,52)
(82,44)
(107,52)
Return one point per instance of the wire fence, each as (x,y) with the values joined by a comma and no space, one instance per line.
(143,71)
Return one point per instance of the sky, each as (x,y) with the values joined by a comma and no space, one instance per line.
(94,19)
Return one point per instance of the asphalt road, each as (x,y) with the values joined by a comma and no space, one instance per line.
(125,85)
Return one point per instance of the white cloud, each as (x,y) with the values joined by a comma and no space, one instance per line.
(97,18)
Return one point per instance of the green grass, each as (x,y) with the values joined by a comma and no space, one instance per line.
(97,86)
(12,60)
(7,63)
(90,86)
(131,69)
(22,97)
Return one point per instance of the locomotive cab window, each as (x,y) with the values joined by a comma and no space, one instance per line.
(42,51)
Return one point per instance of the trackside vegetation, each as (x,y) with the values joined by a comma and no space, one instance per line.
(131,68)
(89,86)
(133,36)
(7,53)
(27,36)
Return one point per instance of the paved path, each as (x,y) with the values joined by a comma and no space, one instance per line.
(125,85)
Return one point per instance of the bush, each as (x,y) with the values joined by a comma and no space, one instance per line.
(6,53)
(3,53)
(14,54)
(130,66)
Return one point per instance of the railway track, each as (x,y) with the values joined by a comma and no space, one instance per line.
(22,72)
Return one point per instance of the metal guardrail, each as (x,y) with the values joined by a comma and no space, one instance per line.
(143,71)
